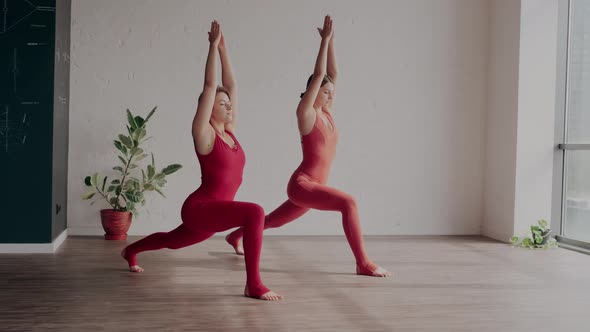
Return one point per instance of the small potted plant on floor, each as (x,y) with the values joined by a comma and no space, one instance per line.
(539,237)
(126,190)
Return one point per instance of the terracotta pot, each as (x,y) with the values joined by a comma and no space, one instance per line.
(115,224)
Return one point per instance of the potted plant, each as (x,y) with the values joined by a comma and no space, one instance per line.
(126,190)
(539,237)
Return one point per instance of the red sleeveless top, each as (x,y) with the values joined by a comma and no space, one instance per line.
(319,149)
(221,170)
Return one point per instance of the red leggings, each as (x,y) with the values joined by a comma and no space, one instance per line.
(203,219)
(305,193)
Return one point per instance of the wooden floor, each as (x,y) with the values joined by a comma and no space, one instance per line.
(440,284)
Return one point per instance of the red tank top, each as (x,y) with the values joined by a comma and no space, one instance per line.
(319,149)
(221,170)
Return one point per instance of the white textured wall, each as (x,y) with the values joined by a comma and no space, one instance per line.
(501,124)
(536,112)
(411,103)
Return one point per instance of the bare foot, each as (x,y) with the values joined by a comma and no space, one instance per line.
(235,243)
(135,268)
(268,296)
(132,268)
(372,270)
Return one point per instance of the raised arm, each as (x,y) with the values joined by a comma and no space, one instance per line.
(332,66)
(203,134)
(229,82)
(305,111)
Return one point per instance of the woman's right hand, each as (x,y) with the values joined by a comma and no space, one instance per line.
(327,31)
(215,34)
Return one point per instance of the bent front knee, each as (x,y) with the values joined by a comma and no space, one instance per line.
(255,213)
(350,201)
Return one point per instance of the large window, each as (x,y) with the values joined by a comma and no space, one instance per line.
(576,157)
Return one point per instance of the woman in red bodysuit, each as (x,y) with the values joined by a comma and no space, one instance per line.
(307,187)
(211,208)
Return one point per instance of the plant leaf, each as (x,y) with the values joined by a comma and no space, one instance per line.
(119,168)
(543,223)
(141,135)
(131,183)
(159,192)
(122,160)
(130,206)
(151,113)
(171,169)
(131,120)
(136,151)
(140,157)
(121,147)
(132,196)
(126,140)
(94,180)
(104,183)
(88,195)
(139,121)
(151,172)
(87,181)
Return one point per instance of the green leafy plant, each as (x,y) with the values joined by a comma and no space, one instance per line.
(539,237)
(126,190)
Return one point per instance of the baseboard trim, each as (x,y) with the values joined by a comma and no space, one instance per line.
(34,248)
(60,240)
